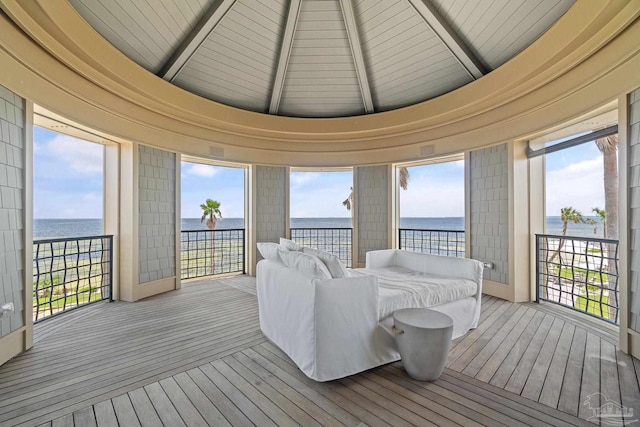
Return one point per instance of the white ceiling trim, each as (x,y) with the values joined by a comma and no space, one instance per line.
(450,38)
(209,21)
(285,53)
(356,51)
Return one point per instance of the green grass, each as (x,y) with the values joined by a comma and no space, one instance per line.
(593,276)
(594,305)
(59,303)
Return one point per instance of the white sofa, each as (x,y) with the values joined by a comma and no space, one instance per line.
(332,328)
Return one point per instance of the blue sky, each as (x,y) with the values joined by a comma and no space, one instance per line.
(435,190)
(575,178)
(67,176)
(68,184)
(201,182)
(320,194)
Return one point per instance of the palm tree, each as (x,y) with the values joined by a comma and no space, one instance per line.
(603,218)
(404,177)
(403,181)
(211,212)
(593,222)
(567,215)
(608,147)
(211,209)
(348,202)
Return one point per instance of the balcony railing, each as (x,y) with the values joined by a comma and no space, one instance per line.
(71,272)
(338,241)
(579,273)
(210,252)
(436,242)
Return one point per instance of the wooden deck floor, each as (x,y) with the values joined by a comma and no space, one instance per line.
(197,357)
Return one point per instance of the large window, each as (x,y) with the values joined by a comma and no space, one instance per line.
(432,208)
(578,254)
(222,184)
(212,240)
(67,186)
(321,205)
(575,191)
(434,198)
(71,257)
(317,198)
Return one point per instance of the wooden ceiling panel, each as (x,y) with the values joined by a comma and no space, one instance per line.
(147,31)
(405,59)
(236,63)
(497,30)
(320,58)
(331,87)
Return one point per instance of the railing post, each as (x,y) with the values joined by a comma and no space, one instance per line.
(110,240)
(537,269)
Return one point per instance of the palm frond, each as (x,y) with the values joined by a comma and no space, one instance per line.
(607,144)
(404,177)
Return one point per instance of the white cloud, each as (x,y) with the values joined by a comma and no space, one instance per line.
(199,169)
(79,156)
(320,203)
(579,185)
(323,199)
(439,199)
(433,192)
(59,204)
(300,179)
(92,197)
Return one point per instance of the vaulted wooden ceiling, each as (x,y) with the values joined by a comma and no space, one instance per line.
(320,58)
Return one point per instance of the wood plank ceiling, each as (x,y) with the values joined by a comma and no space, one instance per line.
(321,58)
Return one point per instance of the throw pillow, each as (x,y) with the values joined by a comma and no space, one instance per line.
(306,264)
(269,251)
(333,263)
(290,245)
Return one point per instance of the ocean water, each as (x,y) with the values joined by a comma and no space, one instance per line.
(52,228)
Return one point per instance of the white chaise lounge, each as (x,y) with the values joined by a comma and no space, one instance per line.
(335,327)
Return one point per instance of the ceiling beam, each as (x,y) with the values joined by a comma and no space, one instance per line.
(285,52)
(194,40)
(450,38)
(356,51)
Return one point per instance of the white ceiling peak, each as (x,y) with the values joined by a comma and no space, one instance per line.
(185,51)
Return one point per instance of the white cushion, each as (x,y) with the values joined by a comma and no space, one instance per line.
(290,245)
(269,251)
(306,264)
(333,263)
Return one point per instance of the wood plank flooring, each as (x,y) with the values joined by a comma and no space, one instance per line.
(196,357)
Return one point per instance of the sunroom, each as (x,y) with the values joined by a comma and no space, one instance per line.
(368,88)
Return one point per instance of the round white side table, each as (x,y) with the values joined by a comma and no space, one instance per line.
(423,337)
